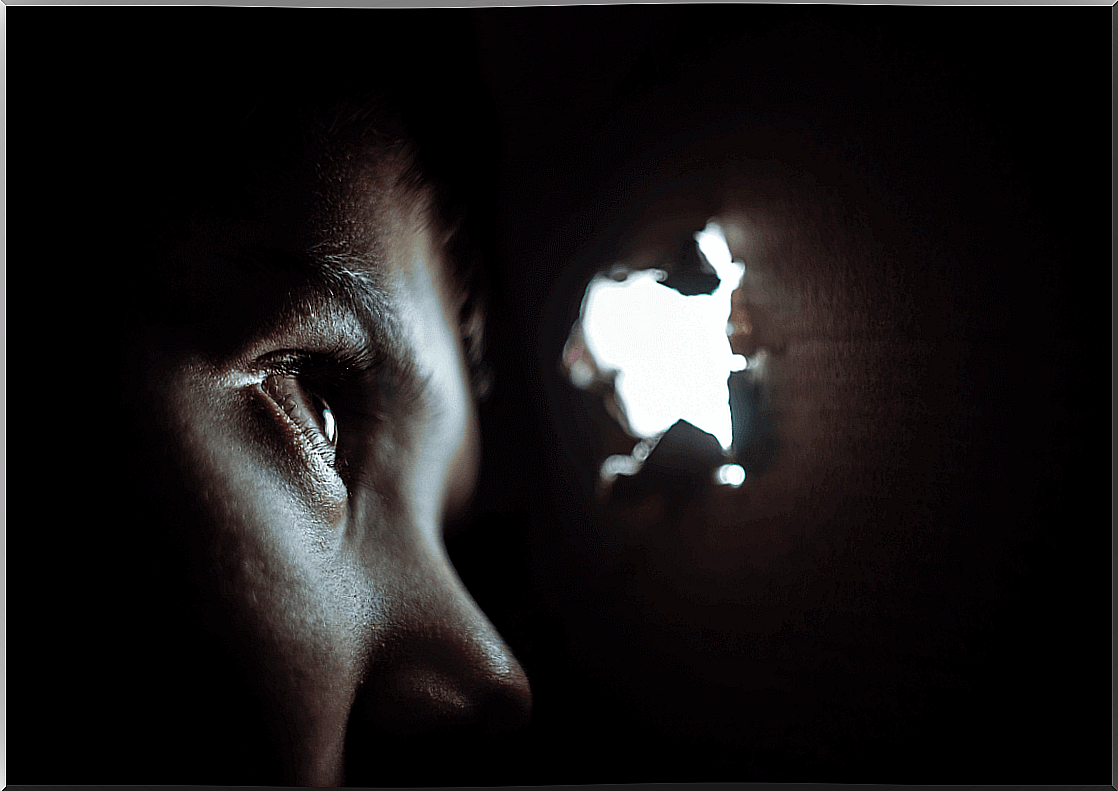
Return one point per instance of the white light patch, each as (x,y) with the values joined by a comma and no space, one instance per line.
(620,465)
(581,373)
(730,475)
(671,350)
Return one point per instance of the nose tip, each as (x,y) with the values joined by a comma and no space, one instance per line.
(452,678)
(442,694)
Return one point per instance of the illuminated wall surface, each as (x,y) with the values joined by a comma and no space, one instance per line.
(671,350)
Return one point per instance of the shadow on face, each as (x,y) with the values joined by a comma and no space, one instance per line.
(276,605)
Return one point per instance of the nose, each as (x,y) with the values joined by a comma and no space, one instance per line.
(442,695)
(448,670)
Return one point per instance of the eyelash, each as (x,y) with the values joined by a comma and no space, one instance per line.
(333,368)
(336,379)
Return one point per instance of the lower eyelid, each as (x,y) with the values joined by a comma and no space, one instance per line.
(287,451)
(305,437)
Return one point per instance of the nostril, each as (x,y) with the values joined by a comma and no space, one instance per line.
(421,698)
(417,699)
(511,707)
(450,683)
(421,727)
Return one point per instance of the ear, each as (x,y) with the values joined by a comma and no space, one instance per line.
(472,333)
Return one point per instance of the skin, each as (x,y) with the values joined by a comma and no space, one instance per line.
(315,585)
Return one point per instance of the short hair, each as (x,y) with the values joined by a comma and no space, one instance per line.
(375,126)
(206,155)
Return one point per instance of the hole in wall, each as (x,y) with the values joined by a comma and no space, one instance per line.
(656,340)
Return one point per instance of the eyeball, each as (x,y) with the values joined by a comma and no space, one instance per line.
(329,425)
(309,412)
(327,422)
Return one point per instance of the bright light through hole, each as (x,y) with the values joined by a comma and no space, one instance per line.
(731,474)
(671,350)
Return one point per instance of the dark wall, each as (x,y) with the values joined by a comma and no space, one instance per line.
(918,621)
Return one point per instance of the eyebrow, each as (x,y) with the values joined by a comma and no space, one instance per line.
(348,280)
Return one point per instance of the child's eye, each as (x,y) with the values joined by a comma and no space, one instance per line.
(325,421)
(329,425)
(308,410)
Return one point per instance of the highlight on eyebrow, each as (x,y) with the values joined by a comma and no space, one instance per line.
(340,280)
(338,275)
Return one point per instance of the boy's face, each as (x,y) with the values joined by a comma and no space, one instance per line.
(319,432)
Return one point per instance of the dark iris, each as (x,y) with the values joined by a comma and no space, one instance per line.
(307,409)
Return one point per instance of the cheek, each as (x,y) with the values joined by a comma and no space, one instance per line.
(289,599)
(450,450)
(446,440)
(314,487)
(276,524)
(297,623)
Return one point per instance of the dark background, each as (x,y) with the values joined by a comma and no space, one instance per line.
(986,658)
(982,659)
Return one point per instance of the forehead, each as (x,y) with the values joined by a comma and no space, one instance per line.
(309,185)
(288,202)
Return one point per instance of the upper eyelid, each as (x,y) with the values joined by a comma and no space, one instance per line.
(316,316)
(354,367)
(288,341)
(340,368)
(332,309)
